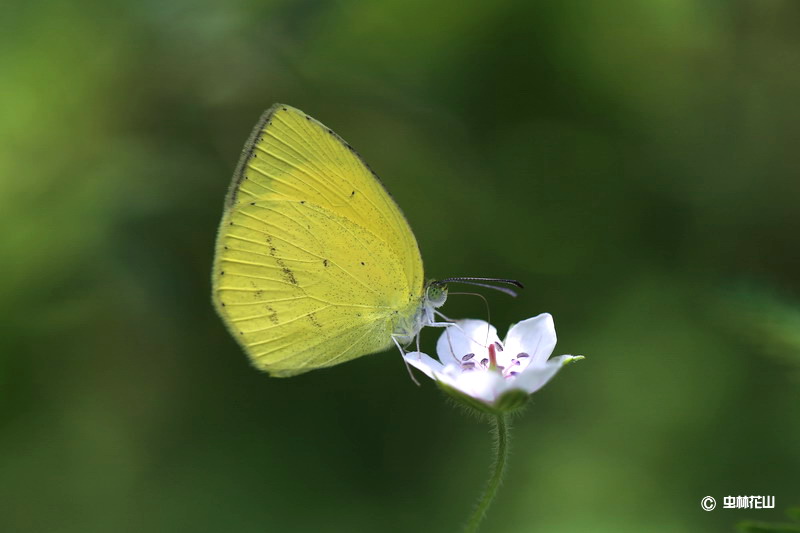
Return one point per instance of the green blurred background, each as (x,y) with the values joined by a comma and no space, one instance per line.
(634,163)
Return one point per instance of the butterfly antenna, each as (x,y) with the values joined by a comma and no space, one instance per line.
(477,282)
(493,280)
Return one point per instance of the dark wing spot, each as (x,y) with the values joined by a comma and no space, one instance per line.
(273,315)
(287,273)
(325,262)
(302,201)
(352,194)
(362,263)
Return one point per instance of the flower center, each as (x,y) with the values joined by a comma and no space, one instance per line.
(508,368)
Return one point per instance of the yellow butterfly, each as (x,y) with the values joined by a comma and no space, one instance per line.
(315,264)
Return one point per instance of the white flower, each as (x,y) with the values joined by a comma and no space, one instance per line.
(474,363)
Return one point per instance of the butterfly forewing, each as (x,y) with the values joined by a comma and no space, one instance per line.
(315,262)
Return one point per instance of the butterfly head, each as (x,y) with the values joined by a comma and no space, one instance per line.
(436,294)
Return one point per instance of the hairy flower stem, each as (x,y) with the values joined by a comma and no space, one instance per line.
(500,431)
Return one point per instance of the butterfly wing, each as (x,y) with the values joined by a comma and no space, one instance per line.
(315,263)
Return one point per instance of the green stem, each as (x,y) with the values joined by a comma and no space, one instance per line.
(500,431)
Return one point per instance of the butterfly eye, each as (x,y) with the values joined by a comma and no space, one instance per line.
(436,295)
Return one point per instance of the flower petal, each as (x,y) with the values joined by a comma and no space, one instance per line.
(424,362)
(535,377)
(535,336)
(465,337)
(481,385)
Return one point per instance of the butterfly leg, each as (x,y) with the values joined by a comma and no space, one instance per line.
(437,325)
(402,353)
(439,313)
